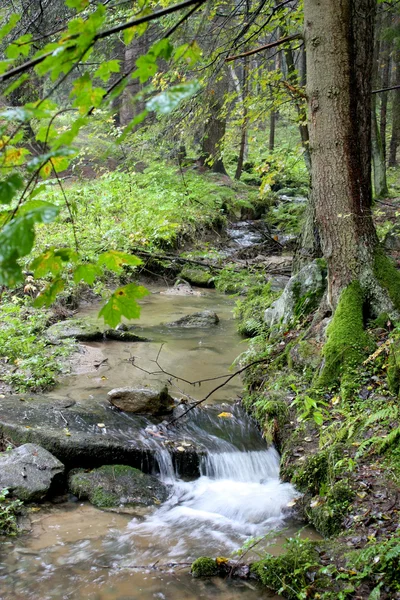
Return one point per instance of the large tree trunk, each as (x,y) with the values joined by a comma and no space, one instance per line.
(361,280)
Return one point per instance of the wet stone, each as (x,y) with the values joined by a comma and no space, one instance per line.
(73,329)
(113,486)
(205,318)
(30,472)
(142,400)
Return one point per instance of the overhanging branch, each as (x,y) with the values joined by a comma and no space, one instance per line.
(283,40)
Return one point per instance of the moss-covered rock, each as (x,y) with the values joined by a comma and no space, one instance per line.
(75,329)
(113,486)
(393,371)
(204,567)
(199,276)
(388,276)
(348,343)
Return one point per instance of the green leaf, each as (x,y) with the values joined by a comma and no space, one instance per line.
(146,67)
(12,21)
(167,101)
(162,49)
(87,273)
(189,53)
(115,260)
(17,238)
(49,294)
(77,4)
(105,69)
(123,304)
(15,84)
(51,261)
(9,187)
(19,47)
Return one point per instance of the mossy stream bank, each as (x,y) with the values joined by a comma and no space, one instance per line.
(338,447)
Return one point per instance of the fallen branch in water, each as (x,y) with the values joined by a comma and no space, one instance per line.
(154,567)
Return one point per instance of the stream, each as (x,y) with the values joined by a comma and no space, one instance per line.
(78,552)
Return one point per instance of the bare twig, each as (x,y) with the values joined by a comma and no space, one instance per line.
(288,38)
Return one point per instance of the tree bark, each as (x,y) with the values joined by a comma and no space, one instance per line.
(215,127)
(378,156)
(395,137)
(339,38)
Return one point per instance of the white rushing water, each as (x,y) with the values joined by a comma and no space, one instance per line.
(239,495)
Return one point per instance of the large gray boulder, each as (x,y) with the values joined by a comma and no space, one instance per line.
(113,486)
(142,400)
(30,472)
(301,295)
(205,318)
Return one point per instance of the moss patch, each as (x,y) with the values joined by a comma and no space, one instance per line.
(197,276)
(348,343)
(117,485)
(204,567)
(388,276)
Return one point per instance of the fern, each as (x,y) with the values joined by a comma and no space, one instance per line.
(385,414)
(389,440)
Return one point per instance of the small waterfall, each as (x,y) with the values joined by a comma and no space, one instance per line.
(166,471)
(254,466)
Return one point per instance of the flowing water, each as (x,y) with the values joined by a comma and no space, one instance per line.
(78,552)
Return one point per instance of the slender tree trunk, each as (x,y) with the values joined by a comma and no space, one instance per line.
(378,157)
(385,61)
(395,137)
(215,127)
(243,91)
(272,126)
(129,106)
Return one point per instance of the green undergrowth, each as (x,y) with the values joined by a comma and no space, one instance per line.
(334,440)
(27,360)
(155,209)
(250,311)
(9,510)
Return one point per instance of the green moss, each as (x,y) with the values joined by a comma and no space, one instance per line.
(102,499)
(348,343)
(197,276)
(393,371)
(327,516)
(204,567)
(250,311)
(388,276)
(289,573)
(317,470)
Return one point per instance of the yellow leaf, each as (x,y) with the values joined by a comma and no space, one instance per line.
(225,415)
(101,425)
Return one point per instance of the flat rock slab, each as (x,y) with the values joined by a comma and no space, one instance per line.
(30,472)
(91,434)
(113,486)
(205,318)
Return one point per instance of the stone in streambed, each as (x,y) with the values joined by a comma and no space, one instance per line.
(199,276)
(30,472)
(123,335)
(113,486)
(205,318)
(73,329)
(142,400)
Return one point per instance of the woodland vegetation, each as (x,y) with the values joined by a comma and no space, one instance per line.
(132,134)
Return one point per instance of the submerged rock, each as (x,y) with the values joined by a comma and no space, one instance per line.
(142,401)
(123,335)
(300,296)
(75,329)
(113,486)
(30,472)
(205,318)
